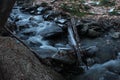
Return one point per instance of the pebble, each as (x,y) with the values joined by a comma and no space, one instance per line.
(115,35)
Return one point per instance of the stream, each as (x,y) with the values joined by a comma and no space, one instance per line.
(45,31)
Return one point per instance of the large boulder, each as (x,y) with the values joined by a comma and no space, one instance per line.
(18,63)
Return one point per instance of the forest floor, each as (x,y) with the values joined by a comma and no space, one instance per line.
(86,8)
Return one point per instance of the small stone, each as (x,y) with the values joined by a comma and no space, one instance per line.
(51,30)
(40,9)
(90,61)
(115,35)
(36,19)
(62,21)
(118,56)
(51,15)
(84,29)
(93,33)
(92,50)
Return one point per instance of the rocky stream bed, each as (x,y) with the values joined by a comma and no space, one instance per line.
(45,31)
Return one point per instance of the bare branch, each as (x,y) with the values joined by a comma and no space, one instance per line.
(75,41)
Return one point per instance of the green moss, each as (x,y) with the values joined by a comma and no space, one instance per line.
(75,9)
(107,3)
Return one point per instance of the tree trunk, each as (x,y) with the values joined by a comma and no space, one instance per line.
(18,63)
(5,9)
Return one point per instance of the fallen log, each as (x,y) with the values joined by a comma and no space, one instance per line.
(75,43)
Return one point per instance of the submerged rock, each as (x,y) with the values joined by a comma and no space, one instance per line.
(105,50)
(92,50)
(82,29)
(50,30)
(93,33)
(115,35)
(107,71)
(61,21)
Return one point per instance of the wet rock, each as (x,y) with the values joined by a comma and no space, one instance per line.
(112,66)
(90,61)
(65,55)
(23,23)
(102,72)
(62,26)
(84,30)
(37,19)
(92,50)
(61,21)
(106,52)
(50,15)
(115,35)
(93,33)
(29,32)
(30,21)
(41,10)
(51,29)
(89,29)
(28,9)
(118,56)
(34,42)
(45,51)
(105,49)
(60,45)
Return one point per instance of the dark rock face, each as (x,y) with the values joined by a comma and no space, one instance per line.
(90,29)
(18,63)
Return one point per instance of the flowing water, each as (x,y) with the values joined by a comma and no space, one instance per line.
(44,30)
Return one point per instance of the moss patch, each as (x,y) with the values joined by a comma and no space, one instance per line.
(107,3)
(77,9)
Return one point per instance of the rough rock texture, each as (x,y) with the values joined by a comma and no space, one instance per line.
(107,71)
(18,63)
